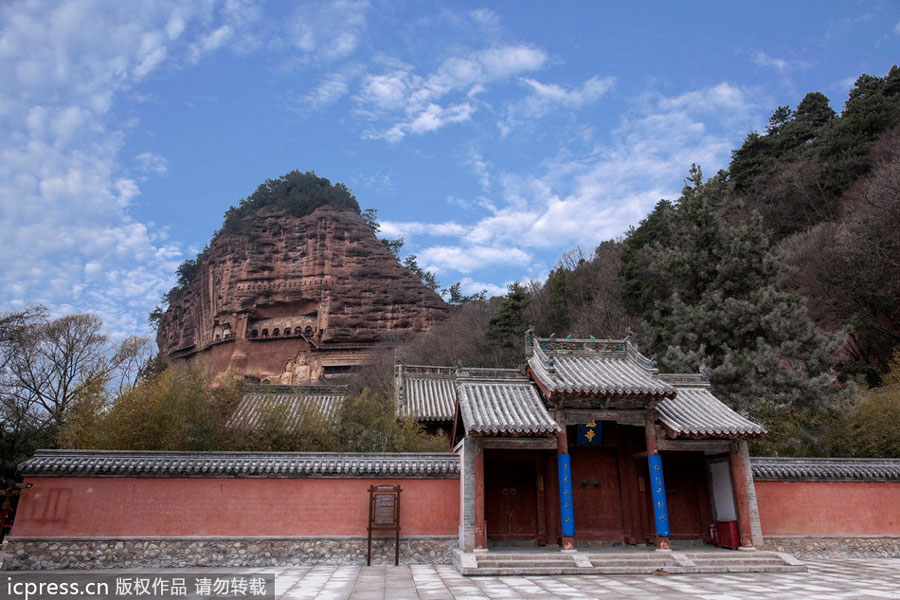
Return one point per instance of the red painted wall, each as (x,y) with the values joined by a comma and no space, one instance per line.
(149,507)
(829,508)
(161,507)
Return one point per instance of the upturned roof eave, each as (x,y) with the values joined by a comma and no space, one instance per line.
(674,434)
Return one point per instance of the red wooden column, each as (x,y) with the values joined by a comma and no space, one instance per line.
(739,467)
(480,526)
(562,447)
(541,501)
(662,542)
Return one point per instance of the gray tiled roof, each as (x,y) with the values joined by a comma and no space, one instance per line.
(769,468)
(117,463)
(695,412)
(595,368)
(507,408)
(296,403)
(429,392)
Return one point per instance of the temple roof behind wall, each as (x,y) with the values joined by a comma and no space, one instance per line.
(429,392)
(296,402)
(595,368)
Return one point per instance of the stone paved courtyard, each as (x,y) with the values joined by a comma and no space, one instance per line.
(839,578)
(847,578)
(844,578)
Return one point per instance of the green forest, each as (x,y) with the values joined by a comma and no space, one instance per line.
(778,278)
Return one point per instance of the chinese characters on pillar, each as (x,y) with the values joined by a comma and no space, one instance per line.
(567,512)
(658,489)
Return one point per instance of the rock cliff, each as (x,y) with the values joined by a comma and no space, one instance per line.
(294,300)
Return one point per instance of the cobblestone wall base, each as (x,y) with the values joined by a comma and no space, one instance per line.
(835,547)
(194,552)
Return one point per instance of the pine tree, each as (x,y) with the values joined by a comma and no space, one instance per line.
(725,312)
(506,329)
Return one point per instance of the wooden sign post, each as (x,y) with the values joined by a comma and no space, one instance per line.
(384,515)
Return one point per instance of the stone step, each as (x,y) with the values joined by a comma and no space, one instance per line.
(570,570)
(737,561)
(635,569)
(514,557)
(731,554)
(632,557)
(782,568)
(584,563)
(524,563)
(744,565)
(632,563)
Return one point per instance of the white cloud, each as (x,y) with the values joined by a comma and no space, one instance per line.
(210,43)
(466,259)
(70,240)
(780,65)
(469,286)
(716,99)
(764,60)
(407,229)
(327,30)
(546,97)
(387,91)
(148,162)
(511,60)
(434,117)
(417,99)
(897,28)
(590,91)
(334,87)
(481,167)
(485,17)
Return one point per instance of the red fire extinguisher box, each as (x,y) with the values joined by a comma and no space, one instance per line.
(727,535)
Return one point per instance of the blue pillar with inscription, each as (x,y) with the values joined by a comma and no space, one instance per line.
(658,489)
(566,506)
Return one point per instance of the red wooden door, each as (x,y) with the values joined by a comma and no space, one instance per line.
(510,499)
(597,494)
(687,495)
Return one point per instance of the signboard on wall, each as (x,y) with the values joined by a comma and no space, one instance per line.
(384,515)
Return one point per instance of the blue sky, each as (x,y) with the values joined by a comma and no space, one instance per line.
(492,136)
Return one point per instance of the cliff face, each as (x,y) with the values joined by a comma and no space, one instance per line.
(296,299)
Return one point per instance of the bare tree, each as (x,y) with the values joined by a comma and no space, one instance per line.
(47,366)
(14,326)
(57,362)
(583,295)
(849,271)
(602,313)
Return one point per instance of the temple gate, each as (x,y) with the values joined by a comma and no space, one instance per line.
(592,444)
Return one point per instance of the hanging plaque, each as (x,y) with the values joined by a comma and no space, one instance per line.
(590,434)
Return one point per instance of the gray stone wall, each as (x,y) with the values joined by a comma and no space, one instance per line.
(467,485)
(835,547)
(217,552)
